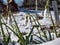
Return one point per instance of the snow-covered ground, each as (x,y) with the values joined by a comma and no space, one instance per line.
(21,18)
(54,42)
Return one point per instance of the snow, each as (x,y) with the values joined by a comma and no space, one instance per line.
(54,42)
(21,18)
(21,21)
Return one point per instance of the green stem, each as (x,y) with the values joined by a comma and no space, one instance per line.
(36,24)
(53,24)
(4,39)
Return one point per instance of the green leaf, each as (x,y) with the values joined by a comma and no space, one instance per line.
(45,35)
(39,37)
(4,38)
(8,39)
(31,32)
(50,38)
(38,41)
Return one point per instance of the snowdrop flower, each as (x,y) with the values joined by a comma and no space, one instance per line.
(46,13)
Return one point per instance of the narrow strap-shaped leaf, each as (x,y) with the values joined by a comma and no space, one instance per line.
(36,24)
(41,38)
(8,39)
(35,42)
(20,38)
(4,38)
(38,41)
(50,38)
(45,35)
(31,32)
